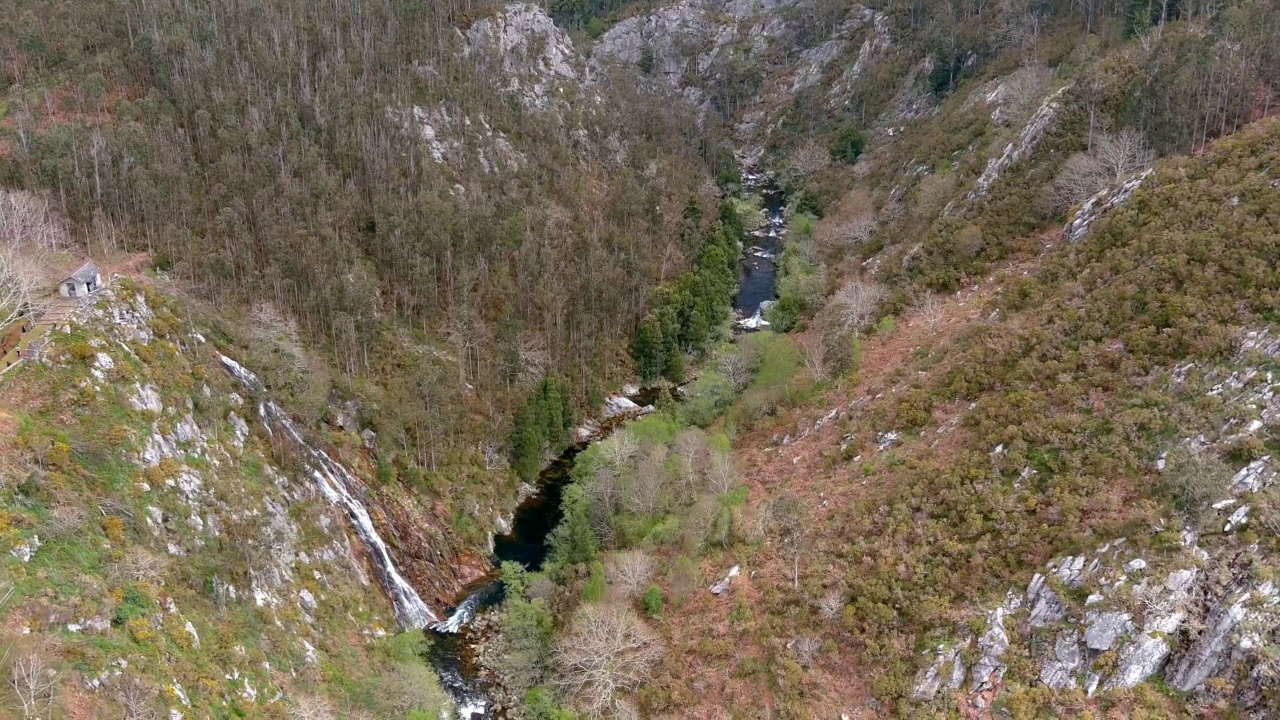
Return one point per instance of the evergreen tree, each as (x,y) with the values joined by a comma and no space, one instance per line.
(526,444)
(647,350)
(674,370)
(573,542)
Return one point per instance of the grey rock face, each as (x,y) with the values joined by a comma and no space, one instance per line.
(687,45)
(1206,654)
(1021,148)
(1139,660)
(534,54)
(990,667)
(1060,671)
(1104,628)
(1238,519)
(946,672)
(723,585)
(1098,205)
(1046,607)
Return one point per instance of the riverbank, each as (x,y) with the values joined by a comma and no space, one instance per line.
(463,650)
(458,641)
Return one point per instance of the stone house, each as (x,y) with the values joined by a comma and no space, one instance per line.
(82,282)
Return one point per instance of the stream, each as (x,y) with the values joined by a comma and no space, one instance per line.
(453,647)
(757,274)
(453,640)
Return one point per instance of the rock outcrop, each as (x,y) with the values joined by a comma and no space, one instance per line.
(691,45)
(1021,148)
(527,48)
(1205,612)
(1101,204)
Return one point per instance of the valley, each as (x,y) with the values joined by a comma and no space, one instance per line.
(612,359)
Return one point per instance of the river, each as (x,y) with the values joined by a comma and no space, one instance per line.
(454,639)
(757,274)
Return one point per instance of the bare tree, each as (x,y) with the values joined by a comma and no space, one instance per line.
(608,652)
(65,520)
(1123,154)
(141,565)
(857,303)
(736,367)
(1114,158)
(810,158)
(312,707)
(1021,92)
(814,353)
(137,698)
(629,572)
(721,479)
(28,220)
(33,683)
(534,358)
(644,489)
(831,604)
(930,308)
(807,648)
(20,282)
(602,494)
(690,445)
(857,228)
(619,448)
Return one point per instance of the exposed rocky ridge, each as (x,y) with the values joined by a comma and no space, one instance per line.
(537,58)
(211,494)
(539,67)
(689,45)
(1100,204)
(1118,616)
(1022,147)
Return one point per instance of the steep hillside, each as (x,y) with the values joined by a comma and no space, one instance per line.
(1050,493)
(426,186)
(1003,445)
(1011,479)
(167,551)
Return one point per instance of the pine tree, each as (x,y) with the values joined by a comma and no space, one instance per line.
(573,542)
(647,350)
(526,444)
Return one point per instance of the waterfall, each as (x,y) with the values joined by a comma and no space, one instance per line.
(335,483)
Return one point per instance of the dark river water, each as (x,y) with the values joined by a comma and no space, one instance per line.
(453,644)
(453,641)
(757,274)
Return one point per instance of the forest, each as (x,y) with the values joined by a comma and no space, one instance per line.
(268,156)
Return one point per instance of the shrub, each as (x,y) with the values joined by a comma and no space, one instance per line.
(1193,481)
(81,351)
(784,314)
(596,585)
(140,630)
(113,527)
(653,601)
(525,630)
(848,144)
(540,704)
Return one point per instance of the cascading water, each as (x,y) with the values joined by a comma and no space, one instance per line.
(452,651)
(335,483)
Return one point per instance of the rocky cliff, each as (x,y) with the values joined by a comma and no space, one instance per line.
(179,540)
